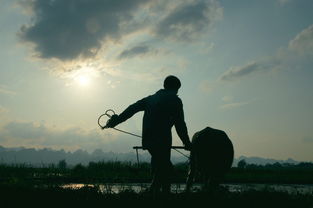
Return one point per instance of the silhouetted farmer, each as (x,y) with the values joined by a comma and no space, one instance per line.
(211,155)
(161,111)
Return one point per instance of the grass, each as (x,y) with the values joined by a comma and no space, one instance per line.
(127,172)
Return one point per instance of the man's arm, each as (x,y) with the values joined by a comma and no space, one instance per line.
(180,126)
(127,113)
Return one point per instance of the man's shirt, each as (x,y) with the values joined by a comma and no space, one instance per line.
(161,111)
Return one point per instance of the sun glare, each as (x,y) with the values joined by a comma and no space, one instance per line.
(82,75)
(83,80)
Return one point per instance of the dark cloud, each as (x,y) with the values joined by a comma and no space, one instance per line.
(72,28)
(188,21)
(265,65)
(139,50)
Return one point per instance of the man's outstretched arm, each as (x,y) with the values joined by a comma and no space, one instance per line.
(127,113)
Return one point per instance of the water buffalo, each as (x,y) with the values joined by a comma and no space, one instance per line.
(212,156)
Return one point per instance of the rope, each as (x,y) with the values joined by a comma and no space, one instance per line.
(182,153)
(126,132)
(107,113)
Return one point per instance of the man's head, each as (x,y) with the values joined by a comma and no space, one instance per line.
(172,83)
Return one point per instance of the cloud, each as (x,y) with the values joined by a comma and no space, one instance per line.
(67,30)
(228,98)
(77,28)
(3,110)
(303,42)
(230,106)
(139,50)
(189,21)
(298,48)
(283,2)
(25,130)
(237,72)
(4,90)
(307,140)
(206,86)
(30,134)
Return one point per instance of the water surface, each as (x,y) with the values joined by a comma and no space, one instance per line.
(178,188)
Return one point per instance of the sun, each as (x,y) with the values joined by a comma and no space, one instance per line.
(82,76)
(83,80)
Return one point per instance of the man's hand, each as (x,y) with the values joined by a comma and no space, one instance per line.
(112,122)
(188,146)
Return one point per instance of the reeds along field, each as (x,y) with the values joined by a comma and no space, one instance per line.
(115,171)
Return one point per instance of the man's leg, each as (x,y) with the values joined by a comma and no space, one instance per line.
(156,183)
(161,169)
(166,169)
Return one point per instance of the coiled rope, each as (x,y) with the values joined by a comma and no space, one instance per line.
(107,113)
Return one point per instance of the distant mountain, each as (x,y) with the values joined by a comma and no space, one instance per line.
(262,161)
(49,156)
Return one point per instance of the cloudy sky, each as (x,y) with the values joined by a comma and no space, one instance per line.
(245,68)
